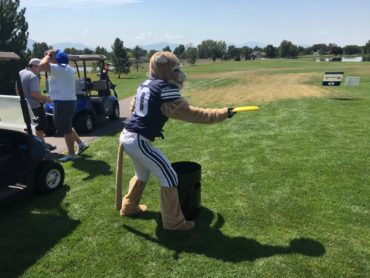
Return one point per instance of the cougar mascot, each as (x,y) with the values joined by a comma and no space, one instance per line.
(156,100)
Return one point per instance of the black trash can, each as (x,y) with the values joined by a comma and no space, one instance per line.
(189,188)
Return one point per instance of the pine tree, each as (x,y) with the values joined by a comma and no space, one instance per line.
(119,58)
(367,51)
(39,49)
(13,38)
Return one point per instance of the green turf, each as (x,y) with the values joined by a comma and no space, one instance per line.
(285,193)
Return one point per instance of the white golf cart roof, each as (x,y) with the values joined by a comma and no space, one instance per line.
(8,56)
(87,57)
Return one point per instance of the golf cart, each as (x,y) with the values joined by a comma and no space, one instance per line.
(24,163)
(96,100)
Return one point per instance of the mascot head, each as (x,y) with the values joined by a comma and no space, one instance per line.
(166,66)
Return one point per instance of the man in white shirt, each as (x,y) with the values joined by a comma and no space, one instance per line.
(62,92)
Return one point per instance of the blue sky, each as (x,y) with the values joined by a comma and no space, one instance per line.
(142,22)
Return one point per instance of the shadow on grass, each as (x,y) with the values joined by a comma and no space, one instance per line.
(108,127)
(128,77)
(29,231)
(105,127)
(345,98)
(210,241)
(92,167)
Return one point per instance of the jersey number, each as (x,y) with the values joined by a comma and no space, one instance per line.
(141,102)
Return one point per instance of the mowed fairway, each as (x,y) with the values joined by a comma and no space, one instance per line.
(285,190)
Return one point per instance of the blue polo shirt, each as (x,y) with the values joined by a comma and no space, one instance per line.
(147,118)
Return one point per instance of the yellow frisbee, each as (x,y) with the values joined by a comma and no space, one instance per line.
(245,109)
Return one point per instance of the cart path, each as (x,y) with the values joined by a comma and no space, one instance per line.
(102,128)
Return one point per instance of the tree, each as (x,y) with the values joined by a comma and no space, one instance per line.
(119,58)
(13,37)
(74,51)
(246,52)
(320,48)
(138,54)
(335,49)
(270,51)
(257,48)
(179,51)
(87,51)
(301,50)
(288,50)
(191,54)
(218,50)
(101,51)
(284,48)
(150,53)
(14,28)
(352,49)
(233,53)
(366,51)
(204,49)
(167,48)
(212,49)
(39,48)
(307,51)
(293,51)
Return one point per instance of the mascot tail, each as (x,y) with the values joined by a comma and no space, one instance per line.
(119,177)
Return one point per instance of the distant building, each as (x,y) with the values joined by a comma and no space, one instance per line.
(256,55)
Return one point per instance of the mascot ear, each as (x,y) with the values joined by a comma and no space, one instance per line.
(161,59)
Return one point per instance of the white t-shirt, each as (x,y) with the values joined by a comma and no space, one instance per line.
(62,83)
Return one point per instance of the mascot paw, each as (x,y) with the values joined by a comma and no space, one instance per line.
(184,226)
(132,211)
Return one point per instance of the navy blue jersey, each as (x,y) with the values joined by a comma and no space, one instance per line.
(147,118)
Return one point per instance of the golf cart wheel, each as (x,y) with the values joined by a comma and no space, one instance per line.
(84,123)
(116,113)
(50,176)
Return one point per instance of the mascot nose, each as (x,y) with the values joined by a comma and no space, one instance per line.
(181,77)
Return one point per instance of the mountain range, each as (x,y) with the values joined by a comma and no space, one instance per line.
(61,45)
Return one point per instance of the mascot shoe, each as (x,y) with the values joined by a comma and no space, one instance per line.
(131,201)
(172,216)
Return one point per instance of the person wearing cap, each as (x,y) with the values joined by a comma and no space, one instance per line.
(104,76)
(62,91)
(31,88)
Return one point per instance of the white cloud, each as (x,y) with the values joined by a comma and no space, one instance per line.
(173,38)
(86,34)
(145,37)
(148,38)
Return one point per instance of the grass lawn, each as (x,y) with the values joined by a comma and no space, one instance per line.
(285,191)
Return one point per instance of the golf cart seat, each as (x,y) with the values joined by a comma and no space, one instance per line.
(98,85)
(78,86)
(96,99)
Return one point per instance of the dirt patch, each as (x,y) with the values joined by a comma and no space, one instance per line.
(255,87)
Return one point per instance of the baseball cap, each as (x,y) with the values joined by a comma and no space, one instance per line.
(34,61)
(61,57)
